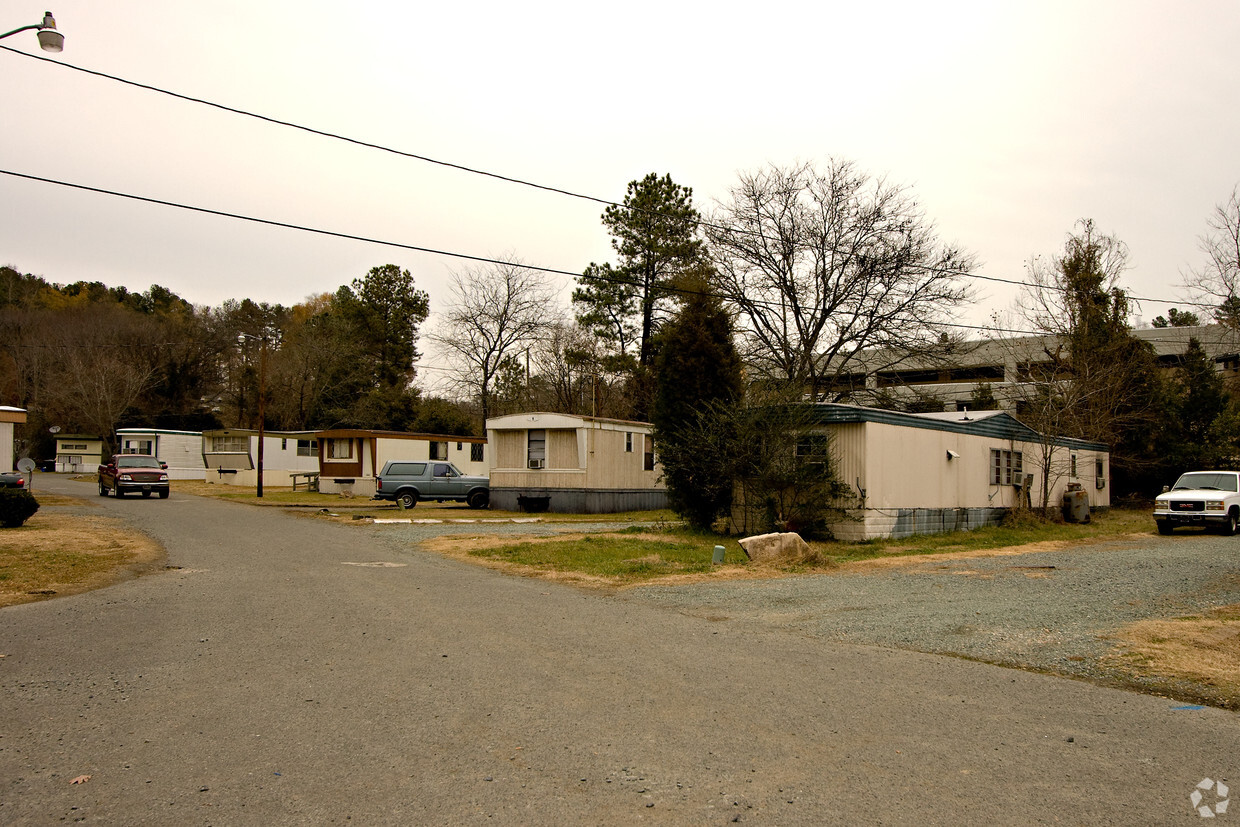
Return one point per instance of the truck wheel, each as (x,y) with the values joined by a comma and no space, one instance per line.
(479,499)
(1233,520)
(407,499)
(163,495)
(118,492)
(1165,528)
(103,489)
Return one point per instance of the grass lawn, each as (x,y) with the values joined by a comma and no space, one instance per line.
(672,553)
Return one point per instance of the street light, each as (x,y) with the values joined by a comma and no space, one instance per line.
(49,39)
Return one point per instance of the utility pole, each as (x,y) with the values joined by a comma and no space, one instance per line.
(262,406)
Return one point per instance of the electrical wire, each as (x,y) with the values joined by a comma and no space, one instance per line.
(430,250)
(497,176)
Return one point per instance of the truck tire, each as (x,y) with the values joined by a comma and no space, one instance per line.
(1165,528)
(118,492)
(407,499)
(103,489)
(1233,521)
(163,495)
(479,499)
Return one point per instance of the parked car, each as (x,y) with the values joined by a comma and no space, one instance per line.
(138,473)
(12,480)
(1201,498)
(406,482)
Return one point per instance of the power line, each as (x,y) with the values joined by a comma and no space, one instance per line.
(311,130)
(272,223)
(423,249)
(497,176)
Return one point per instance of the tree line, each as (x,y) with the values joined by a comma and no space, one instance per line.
(85,358)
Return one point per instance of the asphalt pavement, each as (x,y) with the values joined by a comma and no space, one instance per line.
(286,670)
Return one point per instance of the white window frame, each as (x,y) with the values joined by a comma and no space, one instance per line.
(335,444)
(1006,467)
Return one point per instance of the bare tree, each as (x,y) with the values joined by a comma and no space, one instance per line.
(495,313)
(108,358)
(1218,280)
(821,265)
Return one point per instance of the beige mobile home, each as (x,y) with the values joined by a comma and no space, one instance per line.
(581,464)
(9,417)
(350,459)
(78,453)
(926,473)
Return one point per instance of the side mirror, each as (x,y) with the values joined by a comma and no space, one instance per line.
(1166,488)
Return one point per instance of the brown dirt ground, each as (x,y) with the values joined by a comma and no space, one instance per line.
(104,551)
(1200,650)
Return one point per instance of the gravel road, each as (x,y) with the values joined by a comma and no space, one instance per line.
(1048,610)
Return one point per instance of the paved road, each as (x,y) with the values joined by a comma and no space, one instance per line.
(272,679)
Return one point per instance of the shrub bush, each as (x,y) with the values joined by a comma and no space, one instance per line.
(16,506)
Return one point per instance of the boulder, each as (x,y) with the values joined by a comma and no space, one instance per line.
(778,546)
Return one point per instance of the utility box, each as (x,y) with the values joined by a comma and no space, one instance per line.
(1075,504)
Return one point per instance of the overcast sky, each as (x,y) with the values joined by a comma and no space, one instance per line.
(1009,121)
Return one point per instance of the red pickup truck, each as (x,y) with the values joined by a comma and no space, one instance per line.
(139,473)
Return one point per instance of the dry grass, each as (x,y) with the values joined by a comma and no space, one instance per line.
(58,554)
(603,560)
(1200,649)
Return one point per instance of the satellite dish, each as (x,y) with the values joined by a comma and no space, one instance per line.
(55,429)
(25,465)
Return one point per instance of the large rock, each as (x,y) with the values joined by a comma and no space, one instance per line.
(778,546)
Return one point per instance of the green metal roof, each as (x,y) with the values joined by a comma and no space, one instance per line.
(996,424)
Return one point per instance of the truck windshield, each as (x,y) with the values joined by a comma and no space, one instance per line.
(1206,481)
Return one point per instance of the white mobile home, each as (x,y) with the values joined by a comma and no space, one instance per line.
(580,464)
(231,456)
(350,459)
(181,451)
(926,473)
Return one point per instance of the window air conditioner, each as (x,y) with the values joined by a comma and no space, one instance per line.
(537,463)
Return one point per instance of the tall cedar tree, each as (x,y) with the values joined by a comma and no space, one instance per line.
(696,369)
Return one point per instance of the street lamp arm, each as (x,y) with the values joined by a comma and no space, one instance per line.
(50,40)
(22,29)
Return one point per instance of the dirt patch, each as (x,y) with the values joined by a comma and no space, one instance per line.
(1203,650)
(58,554)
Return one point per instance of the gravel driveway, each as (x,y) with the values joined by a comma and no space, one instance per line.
(1049,610)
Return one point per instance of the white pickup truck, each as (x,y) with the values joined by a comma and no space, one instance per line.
(1201,498)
